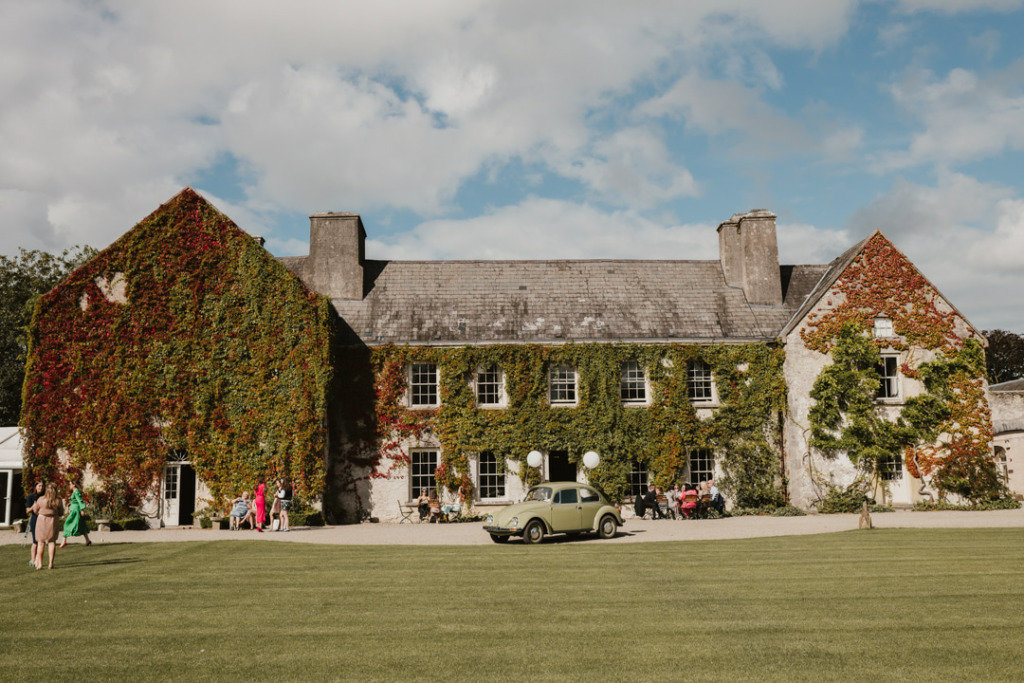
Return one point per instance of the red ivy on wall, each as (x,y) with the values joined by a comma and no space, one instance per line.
(882,281)
(183,334)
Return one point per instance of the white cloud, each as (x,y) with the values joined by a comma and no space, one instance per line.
(955,6)
(945,230)
(110,107)
(1003,249)
(965,116)
(539,228)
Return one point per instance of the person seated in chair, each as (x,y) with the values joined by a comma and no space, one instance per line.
(423,505)
(435,507)
(651,501)
(688,503)
(672,500)
(240,510)
(717,502)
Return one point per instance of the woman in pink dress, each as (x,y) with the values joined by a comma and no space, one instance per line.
(261,504)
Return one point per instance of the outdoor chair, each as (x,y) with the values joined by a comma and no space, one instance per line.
(406,512)
(688,507)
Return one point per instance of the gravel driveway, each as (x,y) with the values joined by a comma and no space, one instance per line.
(635,531)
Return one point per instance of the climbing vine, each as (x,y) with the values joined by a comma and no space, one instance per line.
(743,429)
(185,334)
(944,433)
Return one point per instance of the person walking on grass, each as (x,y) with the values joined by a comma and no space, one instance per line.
(74,525)
(284,496)
(260,503)
(49,508)
(37,493)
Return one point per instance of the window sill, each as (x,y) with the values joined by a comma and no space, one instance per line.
(889,401)
(563,405)
(433,406)
(636,404)
(491,406)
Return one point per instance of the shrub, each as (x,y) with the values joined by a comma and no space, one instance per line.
(304,514)
(130,524)
(850,499)
(787,511)
(1005,503)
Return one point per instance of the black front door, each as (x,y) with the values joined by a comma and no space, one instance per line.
(187,494)
(559,467)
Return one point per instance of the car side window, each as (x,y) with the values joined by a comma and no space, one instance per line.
(589,496)
(566,496)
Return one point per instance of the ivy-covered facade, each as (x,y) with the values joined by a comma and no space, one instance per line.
(182,359)
(368,381)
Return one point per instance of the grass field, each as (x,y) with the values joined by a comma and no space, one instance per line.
(885,604)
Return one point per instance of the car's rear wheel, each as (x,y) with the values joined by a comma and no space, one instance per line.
(498,538)
(534,531)
(607,527)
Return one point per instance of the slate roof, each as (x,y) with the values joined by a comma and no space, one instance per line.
(465,302)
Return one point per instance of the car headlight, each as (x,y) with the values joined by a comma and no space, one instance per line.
(513,523)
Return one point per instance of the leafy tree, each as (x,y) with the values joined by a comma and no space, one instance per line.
(1005,357)
(844,418)
(23,279)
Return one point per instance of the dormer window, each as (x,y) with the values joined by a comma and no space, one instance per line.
(883,327)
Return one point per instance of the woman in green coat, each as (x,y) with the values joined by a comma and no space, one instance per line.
(74,525)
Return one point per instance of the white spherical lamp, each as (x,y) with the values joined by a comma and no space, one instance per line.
(534,459)
(590,459)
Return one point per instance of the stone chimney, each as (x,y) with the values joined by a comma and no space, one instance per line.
(337,251)
(750,256)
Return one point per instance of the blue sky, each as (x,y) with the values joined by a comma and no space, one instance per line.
(583,129)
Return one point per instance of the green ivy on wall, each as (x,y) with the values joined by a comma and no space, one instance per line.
(214,348)
(743,430)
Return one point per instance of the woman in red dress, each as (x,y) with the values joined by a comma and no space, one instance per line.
(261,504)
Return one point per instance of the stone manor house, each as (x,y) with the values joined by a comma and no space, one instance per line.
(424,312)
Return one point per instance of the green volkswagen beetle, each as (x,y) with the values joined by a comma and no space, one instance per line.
(564,507)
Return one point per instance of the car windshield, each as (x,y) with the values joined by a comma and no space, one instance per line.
(541,493)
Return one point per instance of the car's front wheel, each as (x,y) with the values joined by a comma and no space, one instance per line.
(607,527)
(498,538)
(534,532)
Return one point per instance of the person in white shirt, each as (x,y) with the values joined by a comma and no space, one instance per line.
(717,501)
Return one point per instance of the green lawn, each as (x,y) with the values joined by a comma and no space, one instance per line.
(883,604)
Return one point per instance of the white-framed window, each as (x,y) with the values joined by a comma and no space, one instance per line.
(562,385)
(490,478)
(701,385)
(490,386)
(890,468)
(423,384)
(639,478)
(422,466)
(889,378)
(633,384)
(883,327)
(702,464)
